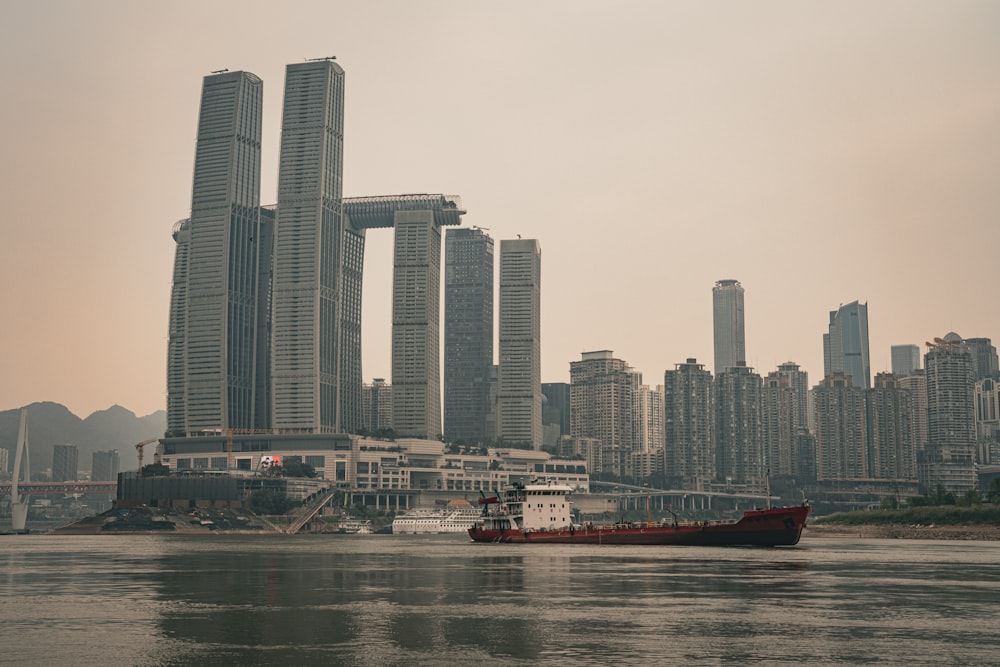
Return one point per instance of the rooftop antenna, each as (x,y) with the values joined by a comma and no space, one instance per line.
(220,71)
(312,60)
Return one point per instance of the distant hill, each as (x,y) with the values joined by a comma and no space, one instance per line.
(53,424)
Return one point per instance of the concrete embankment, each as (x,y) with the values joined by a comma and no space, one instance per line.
(163,521)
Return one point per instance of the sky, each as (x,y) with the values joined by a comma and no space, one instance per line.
(819,153)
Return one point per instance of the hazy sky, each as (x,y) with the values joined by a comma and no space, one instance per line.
(817,152)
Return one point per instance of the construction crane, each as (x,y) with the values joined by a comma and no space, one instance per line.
(138,449)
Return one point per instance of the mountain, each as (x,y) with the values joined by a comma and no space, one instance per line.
(53,424)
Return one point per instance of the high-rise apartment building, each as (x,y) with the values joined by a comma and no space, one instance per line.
(649,432)
(727,324)
(212,348)
(841,429)
(984,358)
(949,458)
(845,346)
(556,406)
(376,401)
(905,359)
(310,390)
(4,460)
(780,423)
(104,466)
(519,385)
(739,456)
(64,463)
(689,424)
(468,333)
(892,452)
(603,405)
(916,385)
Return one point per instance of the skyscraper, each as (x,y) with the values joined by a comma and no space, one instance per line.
(309,387)
(845,346)
(377,404)
(730,340)
(949,458)
(212,349)
(841,429)
(739,451)
(893,455)
(781,422)
(104,466)
(64,463)
(519,384)
(468,333)
(604,404)
(905,359)
(984,358)
(689,424)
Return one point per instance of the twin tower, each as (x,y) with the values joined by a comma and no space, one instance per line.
(265,313)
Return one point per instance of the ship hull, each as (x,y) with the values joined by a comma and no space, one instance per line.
(769,528)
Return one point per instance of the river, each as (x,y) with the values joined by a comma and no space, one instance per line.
(442,600)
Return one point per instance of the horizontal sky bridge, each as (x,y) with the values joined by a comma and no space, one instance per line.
(379,212)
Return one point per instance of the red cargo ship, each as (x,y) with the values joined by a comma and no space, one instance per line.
(539,512)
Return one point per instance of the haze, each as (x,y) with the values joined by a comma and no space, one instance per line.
(818,153)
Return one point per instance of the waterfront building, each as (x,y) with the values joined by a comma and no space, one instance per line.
(984,358)
(311,390)
(905,359)
(212,345)
(689,425)
(603,400)
(916,384)
(555,411)
(892,452)
(841,429)
(783,402)
(64,463)
(519,385)
(739,457)
(949,457)
(649,430)
(728,324)
(845,346)
(376,400)
(104,466)
(580,447)
(468,333)
(987,420)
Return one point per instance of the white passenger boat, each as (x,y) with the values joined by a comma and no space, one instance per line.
(457,517)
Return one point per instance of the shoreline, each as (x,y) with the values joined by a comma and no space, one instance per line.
(974,532)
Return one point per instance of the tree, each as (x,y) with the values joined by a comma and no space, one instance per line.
(270,501)
(295,468)
(994,490)
(155,470)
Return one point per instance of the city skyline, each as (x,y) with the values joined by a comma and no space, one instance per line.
(792,132)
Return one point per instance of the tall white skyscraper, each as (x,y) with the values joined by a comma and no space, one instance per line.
(212,349)
(307,382)
(845,346)
(730,338)
(519,390)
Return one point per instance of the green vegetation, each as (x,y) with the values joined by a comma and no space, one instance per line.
(943,515)
(270,502)
(155,470)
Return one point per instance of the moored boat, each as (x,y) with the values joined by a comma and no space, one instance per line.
(540,512)
(457,517)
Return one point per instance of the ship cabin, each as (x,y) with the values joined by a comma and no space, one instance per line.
(539,505)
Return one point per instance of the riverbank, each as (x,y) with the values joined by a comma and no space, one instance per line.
(904,532)
(167,522)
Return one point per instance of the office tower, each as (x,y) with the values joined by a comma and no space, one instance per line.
(4,460)
(841,429)
(104,466)
(893,455)
(739,456)
(984,358)
(603,400)
(689,424)
(376,402)
(845,346)
(519,385)
(905,359)
(213,314)
(727,321)
(916,384)
(311,250)
(468,333)
(987,421)
(64,463)
(784,402)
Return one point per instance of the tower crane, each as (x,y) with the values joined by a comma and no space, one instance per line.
(138,449)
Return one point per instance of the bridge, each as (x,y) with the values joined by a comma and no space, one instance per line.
(62,488)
